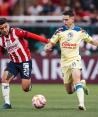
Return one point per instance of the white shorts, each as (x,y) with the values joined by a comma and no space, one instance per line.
(67,71)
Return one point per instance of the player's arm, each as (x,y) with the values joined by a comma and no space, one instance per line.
(94,42)
(89,39)
(26,34)
(86,37)
(48,47)
(36,37)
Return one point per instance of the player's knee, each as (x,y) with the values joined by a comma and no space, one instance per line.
(4,81)
(68,90)
(26,85)
(7,77)
(27,88)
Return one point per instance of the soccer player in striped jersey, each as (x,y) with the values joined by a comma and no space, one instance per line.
(69,37)
(12,39)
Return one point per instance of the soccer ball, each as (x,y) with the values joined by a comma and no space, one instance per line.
(38,101)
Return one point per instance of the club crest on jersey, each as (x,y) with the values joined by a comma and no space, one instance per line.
(69,36)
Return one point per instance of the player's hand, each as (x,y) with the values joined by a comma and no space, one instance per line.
(48,47)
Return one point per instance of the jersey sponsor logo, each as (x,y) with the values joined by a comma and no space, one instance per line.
(69,45)
(12,47)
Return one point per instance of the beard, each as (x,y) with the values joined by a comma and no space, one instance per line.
(4,33)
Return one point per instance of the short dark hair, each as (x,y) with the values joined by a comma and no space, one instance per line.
(3,20)
(69,12)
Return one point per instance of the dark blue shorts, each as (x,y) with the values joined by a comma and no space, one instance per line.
(24,69)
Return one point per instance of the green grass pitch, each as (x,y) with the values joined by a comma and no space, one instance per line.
(59,103)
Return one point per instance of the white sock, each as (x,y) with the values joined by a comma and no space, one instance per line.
(80,93)
(6,92)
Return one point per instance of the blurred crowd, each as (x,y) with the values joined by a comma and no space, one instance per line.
(86,10)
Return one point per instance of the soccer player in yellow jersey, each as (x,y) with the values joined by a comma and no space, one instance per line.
(69,37)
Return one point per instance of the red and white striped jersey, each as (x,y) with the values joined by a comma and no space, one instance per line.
(16,45)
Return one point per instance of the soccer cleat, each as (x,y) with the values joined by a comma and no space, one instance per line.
(86,91)
(82,108)
(7,106)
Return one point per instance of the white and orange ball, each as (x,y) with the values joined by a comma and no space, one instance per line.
(39,101)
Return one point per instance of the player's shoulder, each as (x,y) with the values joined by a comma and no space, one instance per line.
(77,28)
(16,29)
(13,29)
(61,29)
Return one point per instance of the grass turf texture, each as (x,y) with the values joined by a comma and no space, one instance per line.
(59,103)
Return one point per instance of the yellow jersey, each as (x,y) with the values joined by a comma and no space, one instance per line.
(69,40)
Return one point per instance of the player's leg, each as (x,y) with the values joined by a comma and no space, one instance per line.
(76,75)
(25,72)
(26,84)
(67,79)
(86,90)
(69,88)
(8,75)
(6,78)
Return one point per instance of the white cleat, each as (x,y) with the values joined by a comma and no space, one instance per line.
(86,91)
(82,108)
